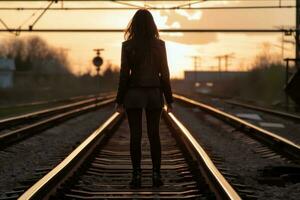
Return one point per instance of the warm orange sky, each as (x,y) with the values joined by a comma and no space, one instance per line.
(179,46)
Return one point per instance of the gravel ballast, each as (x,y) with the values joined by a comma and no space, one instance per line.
(239,157)
(45,150)
(290,129)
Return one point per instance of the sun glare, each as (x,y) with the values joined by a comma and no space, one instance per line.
(178,58)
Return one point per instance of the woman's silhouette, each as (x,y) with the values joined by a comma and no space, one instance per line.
(144,79)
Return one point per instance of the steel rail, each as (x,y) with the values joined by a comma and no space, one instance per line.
(274,141)
(51,181)
(46,30)
(151,8)
(70,161)
(266,110)
(214,174)
(12,121)
(45,102)
(11,137)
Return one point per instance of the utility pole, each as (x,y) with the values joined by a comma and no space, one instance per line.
(219,65)
(219,62)
(297,39)
(196,58)
(226,62)
(226,58)
(282,46)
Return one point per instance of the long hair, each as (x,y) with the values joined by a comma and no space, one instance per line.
(142,31)
(142,27)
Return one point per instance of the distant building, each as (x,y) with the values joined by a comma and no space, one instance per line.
(212,76)
(7,68)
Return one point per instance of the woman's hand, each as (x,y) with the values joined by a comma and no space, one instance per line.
(119,108)
(169,107)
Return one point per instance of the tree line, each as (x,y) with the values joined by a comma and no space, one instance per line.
(44,72)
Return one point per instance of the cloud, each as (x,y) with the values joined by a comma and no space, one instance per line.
(190,16)
(223,19)
(176,19)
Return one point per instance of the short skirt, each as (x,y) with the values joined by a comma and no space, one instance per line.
(144,97)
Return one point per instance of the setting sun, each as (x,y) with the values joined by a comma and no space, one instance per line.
(198,100)
(181,46)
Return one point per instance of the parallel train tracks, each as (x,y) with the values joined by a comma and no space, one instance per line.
(272,140)
(14,129)
(100,167)
(266,110)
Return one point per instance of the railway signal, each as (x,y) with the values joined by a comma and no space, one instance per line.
(98,61)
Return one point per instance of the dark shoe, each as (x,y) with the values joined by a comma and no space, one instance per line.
(136,180)
(156,179)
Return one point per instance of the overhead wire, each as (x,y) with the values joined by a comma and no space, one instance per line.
(29,18)
(155,0)
(163,30)
(189,4)
(32,15)
(6,26)
(44,11)
(134,6)
(152,8)
(127,4)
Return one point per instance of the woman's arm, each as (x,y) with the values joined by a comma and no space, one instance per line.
(124,76)
(165,77)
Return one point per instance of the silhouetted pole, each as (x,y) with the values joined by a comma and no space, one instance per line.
(219,65)
(195,68)
(219,62)
(226,58)
(98,61)
(282,45)
(195,58)
(287,77)
(226,62)
(297,32)
(286,82)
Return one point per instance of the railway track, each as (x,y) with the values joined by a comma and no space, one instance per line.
(262,162)
(266,110)
(206,98)
(55,101)
(275,142)
(100,168)
(283,124)
(14,129)
(9,111)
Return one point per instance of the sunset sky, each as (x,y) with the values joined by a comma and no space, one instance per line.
(180,46)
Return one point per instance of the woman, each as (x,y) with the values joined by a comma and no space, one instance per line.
(144,79)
